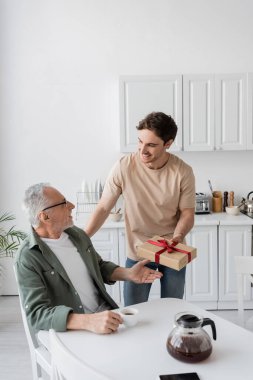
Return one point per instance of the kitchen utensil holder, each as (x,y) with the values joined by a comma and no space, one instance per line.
(217,201)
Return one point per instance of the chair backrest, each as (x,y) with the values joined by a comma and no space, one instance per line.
(40,357)
(243,269)
(66,366)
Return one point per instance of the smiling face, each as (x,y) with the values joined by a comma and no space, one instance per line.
(57,215)
(152,149)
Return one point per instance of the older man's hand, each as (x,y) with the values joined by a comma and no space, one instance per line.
(104,322)
(141,274)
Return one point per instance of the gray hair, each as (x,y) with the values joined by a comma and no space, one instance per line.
(35,201)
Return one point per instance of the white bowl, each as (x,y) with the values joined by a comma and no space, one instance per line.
(233,210)
(115,216)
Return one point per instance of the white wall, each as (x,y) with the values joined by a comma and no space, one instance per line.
(59,68)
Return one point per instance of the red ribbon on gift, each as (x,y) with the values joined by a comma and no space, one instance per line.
(168,248)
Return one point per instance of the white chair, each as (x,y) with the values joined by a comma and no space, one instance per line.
(243,269)
(40,356)
(66,366)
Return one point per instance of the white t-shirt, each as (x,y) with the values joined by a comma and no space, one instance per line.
(77,272)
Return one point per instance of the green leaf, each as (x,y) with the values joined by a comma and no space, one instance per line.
(10,238)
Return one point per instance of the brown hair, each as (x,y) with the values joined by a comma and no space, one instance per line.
(161,124)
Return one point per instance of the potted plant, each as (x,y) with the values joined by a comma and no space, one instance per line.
(10,239)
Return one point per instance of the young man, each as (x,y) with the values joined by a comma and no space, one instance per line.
(159,197)
(60,275)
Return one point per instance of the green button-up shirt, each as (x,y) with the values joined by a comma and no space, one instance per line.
(47,294)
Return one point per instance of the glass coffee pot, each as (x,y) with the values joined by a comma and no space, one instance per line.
(188,341)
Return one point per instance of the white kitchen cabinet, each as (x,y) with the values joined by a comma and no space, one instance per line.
(230,111)
(198,112)
(122,246)
(106,243)
(210,110)
(215,112)
(233,241)
(250,113)
(211,278)
(122,258)
(140,95)
(201,274)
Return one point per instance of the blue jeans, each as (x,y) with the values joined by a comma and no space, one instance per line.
(172,284)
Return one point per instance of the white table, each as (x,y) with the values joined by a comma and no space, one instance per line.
(139,352)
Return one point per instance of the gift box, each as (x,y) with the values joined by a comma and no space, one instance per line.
(159,250)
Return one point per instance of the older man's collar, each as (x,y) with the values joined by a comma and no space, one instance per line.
(33,238)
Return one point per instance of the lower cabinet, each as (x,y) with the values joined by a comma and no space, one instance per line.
(233,241)
(202,273)
(106,243)
(210,278)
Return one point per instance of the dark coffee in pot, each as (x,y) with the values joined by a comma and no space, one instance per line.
(189,350)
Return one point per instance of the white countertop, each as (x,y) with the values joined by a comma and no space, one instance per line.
(216,218)
(222,218)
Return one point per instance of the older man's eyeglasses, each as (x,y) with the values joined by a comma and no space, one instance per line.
(57,204)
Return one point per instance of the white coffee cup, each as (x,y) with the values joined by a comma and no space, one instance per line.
(130,316)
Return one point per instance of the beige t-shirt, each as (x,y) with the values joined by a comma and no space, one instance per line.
(152,198)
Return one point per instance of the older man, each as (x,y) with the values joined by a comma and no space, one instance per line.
(60,275)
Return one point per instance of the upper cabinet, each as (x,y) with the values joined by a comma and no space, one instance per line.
(198,101)
(250,112)
(215,112)
(140,95)
(231,111)
(210,110)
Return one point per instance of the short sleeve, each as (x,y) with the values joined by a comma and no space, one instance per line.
(187,189)
(113,184)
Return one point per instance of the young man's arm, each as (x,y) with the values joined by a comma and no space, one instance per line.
(184,225)
(99,216)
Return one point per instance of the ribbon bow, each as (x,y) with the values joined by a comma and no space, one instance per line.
(168,248)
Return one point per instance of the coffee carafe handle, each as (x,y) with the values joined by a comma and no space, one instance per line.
(208,321)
